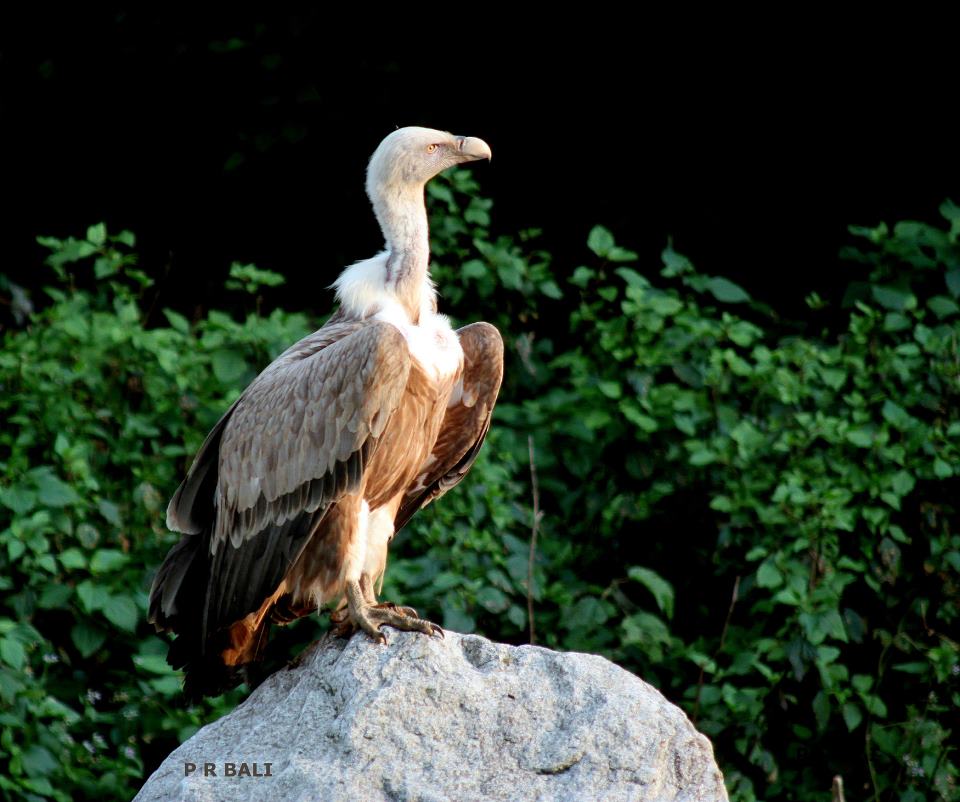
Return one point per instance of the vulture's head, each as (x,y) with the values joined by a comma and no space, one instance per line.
(409,157)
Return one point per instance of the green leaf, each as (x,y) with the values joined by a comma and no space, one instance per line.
(674,264)
(862,437)
(600,240)
(588,613)
(122,611)
(875,706)
(726,291)
(54,492)
(581,276)
(852,716)
(251,278)
(862,682)
(228,366)
(633,414)
(97,235)
(38,761)
(511,274)
(493,599)
(661,589)
(154,663)
(55,597)
(12,652)
(610,389)
(952,279)
(440,191)
(87,638)
(942,469)
(632,277)
(477,216)
(911,668)
(177,321)
(105,267)
(618,254)
(475,269)
(110,511)
(39,785)
(169,686)
(456,619)
(942,306)
(895,298)
(721,503)
(106,560)
(950,211)
(18,498)
(73,559)
(551,289)
(833,377)
(88,535)
(15,549)
(768,575)
(703,456)
(92,597)
(896,321)
(902,483)
(821,710)
(875,234)
(664,304)
(897,416)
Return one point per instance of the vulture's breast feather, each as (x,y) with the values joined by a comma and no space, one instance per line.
(432,343)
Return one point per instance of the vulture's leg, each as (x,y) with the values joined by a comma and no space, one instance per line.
(370,597)
(370,617)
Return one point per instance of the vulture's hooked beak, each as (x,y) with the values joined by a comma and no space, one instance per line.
(473,149)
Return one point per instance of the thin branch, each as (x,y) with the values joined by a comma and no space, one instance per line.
(726,624)
(836,791)
(535,527)
(936,766)
(868,751)
(723,638)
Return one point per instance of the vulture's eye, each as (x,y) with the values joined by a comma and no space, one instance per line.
(432,148)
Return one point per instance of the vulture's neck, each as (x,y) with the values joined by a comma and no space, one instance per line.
(402,215)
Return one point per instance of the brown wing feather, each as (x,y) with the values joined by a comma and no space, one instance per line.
(190,511)
(466,422)
(295,442)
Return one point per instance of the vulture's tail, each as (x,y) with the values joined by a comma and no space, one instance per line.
(177,601)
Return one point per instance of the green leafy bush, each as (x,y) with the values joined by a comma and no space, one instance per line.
(759,520)
(102,414)
(813,599)
(781,506)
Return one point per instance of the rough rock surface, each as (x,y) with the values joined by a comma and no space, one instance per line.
(455,719)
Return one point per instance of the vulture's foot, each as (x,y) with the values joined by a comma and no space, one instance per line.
(360,613)
(409,612)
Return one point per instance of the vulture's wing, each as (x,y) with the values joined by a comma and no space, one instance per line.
(294,443)
(465,423)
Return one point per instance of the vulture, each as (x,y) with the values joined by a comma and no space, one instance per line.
(294,496)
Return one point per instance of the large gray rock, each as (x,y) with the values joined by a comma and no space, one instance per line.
(455,719)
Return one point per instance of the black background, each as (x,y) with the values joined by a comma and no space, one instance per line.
(752,142)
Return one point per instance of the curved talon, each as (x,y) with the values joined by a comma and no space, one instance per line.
(409,612)
(371,617)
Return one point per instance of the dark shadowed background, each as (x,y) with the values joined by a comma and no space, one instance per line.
(244,137)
